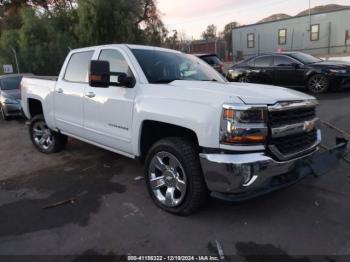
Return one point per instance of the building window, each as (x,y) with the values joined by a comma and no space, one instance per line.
(315,32)
(250,40)
(282,37)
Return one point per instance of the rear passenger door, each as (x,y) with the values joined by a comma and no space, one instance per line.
(261,70)
(69,93)
(108,111)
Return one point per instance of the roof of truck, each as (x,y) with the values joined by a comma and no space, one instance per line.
(130,46)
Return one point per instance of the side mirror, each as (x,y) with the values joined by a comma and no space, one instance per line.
(99,74)
(125,80)
(296,65)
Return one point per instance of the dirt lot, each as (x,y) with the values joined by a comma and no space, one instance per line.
(112,213)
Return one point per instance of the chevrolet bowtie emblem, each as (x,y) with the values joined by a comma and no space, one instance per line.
(309,126)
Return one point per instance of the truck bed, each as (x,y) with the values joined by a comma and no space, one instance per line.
(51,78)
(39,88)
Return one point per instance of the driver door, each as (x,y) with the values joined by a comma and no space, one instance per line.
(108,112)
(288,72)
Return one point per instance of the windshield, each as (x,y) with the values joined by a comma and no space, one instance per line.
(10,83)
(306,58)
(165,67)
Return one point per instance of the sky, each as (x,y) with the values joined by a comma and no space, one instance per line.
(191,17)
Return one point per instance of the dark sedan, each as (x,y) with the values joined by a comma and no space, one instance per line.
(10,96)
(294,70)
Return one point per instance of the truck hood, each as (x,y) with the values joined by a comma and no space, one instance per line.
(248,93)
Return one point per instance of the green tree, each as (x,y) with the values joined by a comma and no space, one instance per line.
(10,14)
(210,32)
(43,31)
(228,34)
(111,21)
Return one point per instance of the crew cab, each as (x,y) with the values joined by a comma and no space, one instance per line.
(195,132)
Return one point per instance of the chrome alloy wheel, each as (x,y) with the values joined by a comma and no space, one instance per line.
(318,83)
(168,179)
(243,79)
(42,135)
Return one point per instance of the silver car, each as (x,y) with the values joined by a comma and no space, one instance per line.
(10,96)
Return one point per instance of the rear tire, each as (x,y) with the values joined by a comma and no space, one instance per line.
(318,84)
(174,177)
(243,79)
(2,113)
(44,139)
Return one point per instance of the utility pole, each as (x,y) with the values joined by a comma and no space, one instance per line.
(15,54)
(310,13)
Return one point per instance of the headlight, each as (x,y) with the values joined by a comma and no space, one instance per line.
(8,100)
(243,125)
(337,71)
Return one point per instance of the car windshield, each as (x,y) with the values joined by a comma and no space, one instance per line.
(10,83)
(166,67)
(306,58)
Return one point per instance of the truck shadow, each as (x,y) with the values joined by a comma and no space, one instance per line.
(84,188)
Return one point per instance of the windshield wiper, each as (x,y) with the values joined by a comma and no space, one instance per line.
(212,80)
(164,81)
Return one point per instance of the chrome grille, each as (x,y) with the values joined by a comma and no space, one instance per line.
(295,141)
(292,116)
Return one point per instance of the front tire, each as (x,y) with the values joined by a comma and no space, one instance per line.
(243,79)
(2,113)
(44,139)
(174,177)
(318,84)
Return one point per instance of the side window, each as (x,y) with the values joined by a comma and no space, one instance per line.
(209,60)
(78,67)
(116,61)
(264,61)
(283,61)
(282,36)
(315,32)
(250,40)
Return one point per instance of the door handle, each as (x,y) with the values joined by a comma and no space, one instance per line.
(90,95)
(59,90)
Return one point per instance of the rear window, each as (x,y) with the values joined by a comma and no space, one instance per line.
(10,83)
(78,67)
(211,60)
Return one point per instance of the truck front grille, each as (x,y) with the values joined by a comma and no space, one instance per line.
(290,145)
(296,144)
(292,116)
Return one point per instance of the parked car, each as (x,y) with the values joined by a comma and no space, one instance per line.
(195,132)
(10,96)
(292,69)
(213,61)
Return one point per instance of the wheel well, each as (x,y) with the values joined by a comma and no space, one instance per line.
(153,131)
(35,107)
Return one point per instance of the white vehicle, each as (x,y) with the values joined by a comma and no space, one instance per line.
(196,132)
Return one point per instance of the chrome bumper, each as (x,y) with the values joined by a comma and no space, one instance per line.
(239,177)
(12,109)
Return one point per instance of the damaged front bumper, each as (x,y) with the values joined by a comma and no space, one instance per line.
(240,177)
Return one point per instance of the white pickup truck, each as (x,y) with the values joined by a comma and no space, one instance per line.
(196,133)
